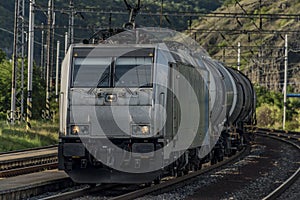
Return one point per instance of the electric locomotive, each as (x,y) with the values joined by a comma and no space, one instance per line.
(137,107)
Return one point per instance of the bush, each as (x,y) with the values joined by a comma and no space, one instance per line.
(2,116)
(292,125)
(268,116)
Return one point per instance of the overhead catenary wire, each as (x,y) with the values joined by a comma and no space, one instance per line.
(223,32)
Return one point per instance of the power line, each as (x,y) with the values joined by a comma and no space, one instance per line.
(186,14)
(5,30)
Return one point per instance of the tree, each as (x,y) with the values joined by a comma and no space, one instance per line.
(38,90)
(2,55)
(269,110)
(5,87)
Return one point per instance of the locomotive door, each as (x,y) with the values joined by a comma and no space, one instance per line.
(173,104)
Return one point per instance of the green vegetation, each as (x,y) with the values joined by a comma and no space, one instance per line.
(229,2)
(5,88)
(2,55)
(16,137)
(269,112)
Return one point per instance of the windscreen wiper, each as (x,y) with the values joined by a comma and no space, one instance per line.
(106,75)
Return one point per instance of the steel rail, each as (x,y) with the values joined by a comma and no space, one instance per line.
(27,150)
(280,133)
(287,183)
(79,192)
(28,161)
(27,170)
(175,181)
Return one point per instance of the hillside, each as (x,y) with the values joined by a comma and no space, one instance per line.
(262,41)
(87,22)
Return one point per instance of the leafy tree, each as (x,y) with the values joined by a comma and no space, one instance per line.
(38,90)
(269,97)
(38,93)
(269,110)
(2,55)
(5,86)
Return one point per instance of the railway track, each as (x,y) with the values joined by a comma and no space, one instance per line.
(292,138)
(27,161)
(87,190)
(269,170)
(142,191)
(180,180)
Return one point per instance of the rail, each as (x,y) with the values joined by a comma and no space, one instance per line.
(28,161)
(286,137)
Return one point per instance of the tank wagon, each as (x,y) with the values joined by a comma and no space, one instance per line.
(134,112)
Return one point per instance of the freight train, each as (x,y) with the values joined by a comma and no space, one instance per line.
(147,103)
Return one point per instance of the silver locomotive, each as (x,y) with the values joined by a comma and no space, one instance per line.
(136,108)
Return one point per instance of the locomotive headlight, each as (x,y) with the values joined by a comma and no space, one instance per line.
(111,98)
(138,129)
(75,130)
(145,130)
(79,129)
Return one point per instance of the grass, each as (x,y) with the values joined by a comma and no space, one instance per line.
(16,137)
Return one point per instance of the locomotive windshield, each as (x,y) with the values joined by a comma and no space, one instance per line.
(87,71)
(112,72)
(133,72)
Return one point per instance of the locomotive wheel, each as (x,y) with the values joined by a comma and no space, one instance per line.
(196,166)
(221,158)
(148,184)
(185,171)
(180,173)
(157,180)
(213,160)
(92,185)
(233,151)
(220,155)
(199,166)
(174,172)
(213,156)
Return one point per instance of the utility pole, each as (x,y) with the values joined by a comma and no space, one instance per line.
(161,13)
(285,79)
(17,95)
(260,19)
(42,53)
(239,56)
(71,23)
(48,58)
(30,63)
(56,72)
(52,52)
(224,55)
(66,42)
(15,66)
(22,48)
(45,61)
